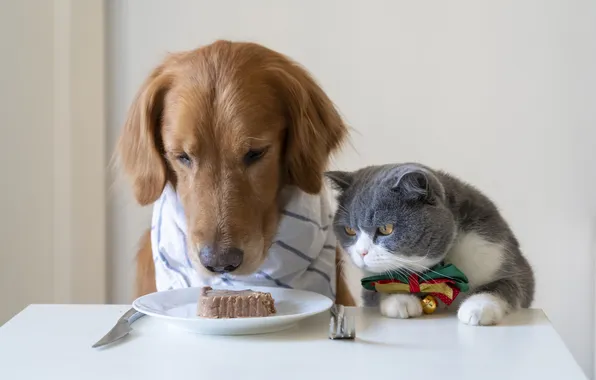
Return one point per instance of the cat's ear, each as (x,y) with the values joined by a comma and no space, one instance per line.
(417,183)
(340,180)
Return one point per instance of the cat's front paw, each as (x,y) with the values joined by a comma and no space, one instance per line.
(482,309)
(400,306)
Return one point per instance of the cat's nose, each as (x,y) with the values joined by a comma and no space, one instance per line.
(364,253)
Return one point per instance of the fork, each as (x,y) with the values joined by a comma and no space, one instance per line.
(341,326)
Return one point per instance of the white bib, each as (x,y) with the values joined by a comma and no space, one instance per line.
(301,257)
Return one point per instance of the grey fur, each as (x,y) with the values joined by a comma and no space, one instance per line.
(429,210)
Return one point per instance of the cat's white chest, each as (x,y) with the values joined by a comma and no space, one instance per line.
(476,257)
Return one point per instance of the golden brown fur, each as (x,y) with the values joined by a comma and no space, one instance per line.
(145,277)
(195,123)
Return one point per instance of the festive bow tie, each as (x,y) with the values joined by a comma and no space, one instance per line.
(442,281)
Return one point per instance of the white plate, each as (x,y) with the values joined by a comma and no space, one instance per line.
(178,307)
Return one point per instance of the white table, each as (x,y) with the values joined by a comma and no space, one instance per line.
(54,342)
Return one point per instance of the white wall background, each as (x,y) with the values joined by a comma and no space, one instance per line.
(501,93)
(24,153)
(52,153)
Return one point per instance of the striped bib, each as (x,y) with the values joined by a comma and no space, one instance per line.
(302,255)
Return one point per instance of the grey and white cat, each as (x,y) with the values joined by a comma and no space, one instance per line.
(409,217)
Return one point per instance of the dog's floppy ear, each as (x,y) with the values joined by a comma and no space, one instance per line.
(315,128)
(140,147)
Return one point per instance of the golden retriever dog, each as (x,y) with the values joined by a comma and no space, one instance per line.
(228,126)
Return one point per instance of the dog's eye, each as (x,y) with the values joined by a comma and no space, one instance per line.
(254,155)
(184,159)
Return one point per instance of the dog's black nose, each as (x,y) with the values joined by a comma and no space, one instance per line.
(222,260)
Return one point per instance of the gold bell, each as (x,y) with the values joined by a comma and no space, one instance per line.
(429,304)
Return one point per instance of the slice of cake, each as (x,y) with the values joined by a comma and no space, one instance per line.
(223,303)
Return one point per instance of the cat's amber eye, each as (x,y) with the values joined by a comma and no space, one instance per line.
(387,229)
(350,231)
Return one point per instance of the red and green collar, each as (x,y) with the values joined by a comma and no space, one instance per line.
(444,281)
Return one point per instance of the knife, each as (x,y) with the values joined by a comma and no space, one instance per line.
(121,329)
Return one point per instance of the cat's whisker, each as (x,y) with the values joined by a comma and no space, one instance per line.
(411,272)
(412,261)
(342,208)
(440,274)
(407,262)
(422,272)
(389,273)
(399,269)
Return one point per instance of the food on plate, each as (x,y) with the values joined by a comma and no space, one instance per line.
(225,303)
